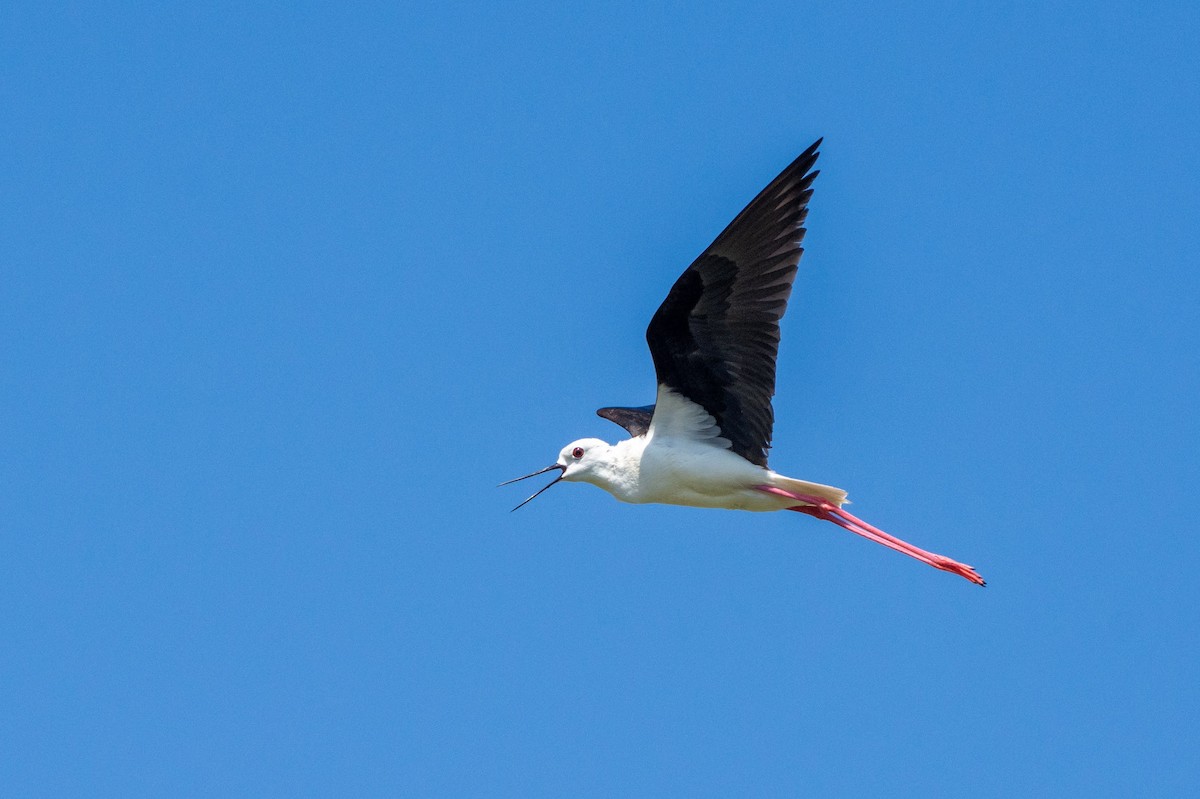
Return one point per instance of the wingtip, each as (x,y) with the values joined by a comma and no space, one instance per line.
(808,159)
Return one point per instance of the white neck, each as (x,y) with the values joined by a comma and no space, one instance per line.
(617,469)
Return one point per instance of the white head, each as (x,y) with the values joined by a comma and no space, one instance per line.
(579,459)
(577,462)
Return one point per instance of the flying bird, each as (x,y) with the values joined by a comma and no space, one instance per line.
(714,343)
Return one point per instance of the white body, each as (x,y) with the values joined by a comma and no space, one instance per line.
(682,460)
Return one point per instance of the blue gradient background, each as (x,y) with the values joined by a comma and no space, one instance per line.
(287,291)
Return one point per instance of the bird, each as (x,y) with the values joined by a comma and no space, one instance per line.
(714,342)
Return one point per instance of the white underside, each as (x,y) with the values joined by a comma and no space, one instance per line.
(682,460)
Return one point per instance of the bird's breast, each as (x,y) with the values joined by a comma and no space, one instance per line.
(697,475)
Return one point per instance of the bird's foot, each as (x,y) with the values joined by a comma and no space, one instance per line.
(824,509)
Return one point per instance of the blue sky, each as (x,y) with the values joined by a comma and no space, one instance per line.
(288,291)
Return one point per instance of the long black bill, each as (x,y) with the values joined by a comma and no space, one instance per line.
(550,468)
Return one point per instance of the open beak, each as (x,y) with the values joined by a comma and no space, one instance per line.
(549,468)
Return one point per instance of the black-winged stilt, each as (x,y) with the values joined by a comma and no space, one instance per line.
(714,342)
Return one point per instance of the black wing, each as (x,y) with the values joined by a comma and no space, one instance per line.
(715,338)
(635,420)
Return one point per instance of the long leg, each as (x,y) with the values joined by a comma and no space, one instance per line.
(824,509)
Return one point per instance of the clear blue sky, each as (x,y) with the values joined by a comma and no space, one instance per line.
(287,292)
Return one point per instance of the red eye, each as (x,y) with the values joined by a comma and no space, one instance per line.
(577,453)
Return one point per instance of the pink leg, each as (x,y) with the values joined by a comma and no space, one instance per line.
(824,509)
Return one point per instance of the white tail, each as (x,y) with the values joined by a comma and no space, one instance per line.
(835,495)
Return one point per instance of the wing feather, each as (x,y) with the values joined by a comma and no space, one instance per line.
(715,338)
